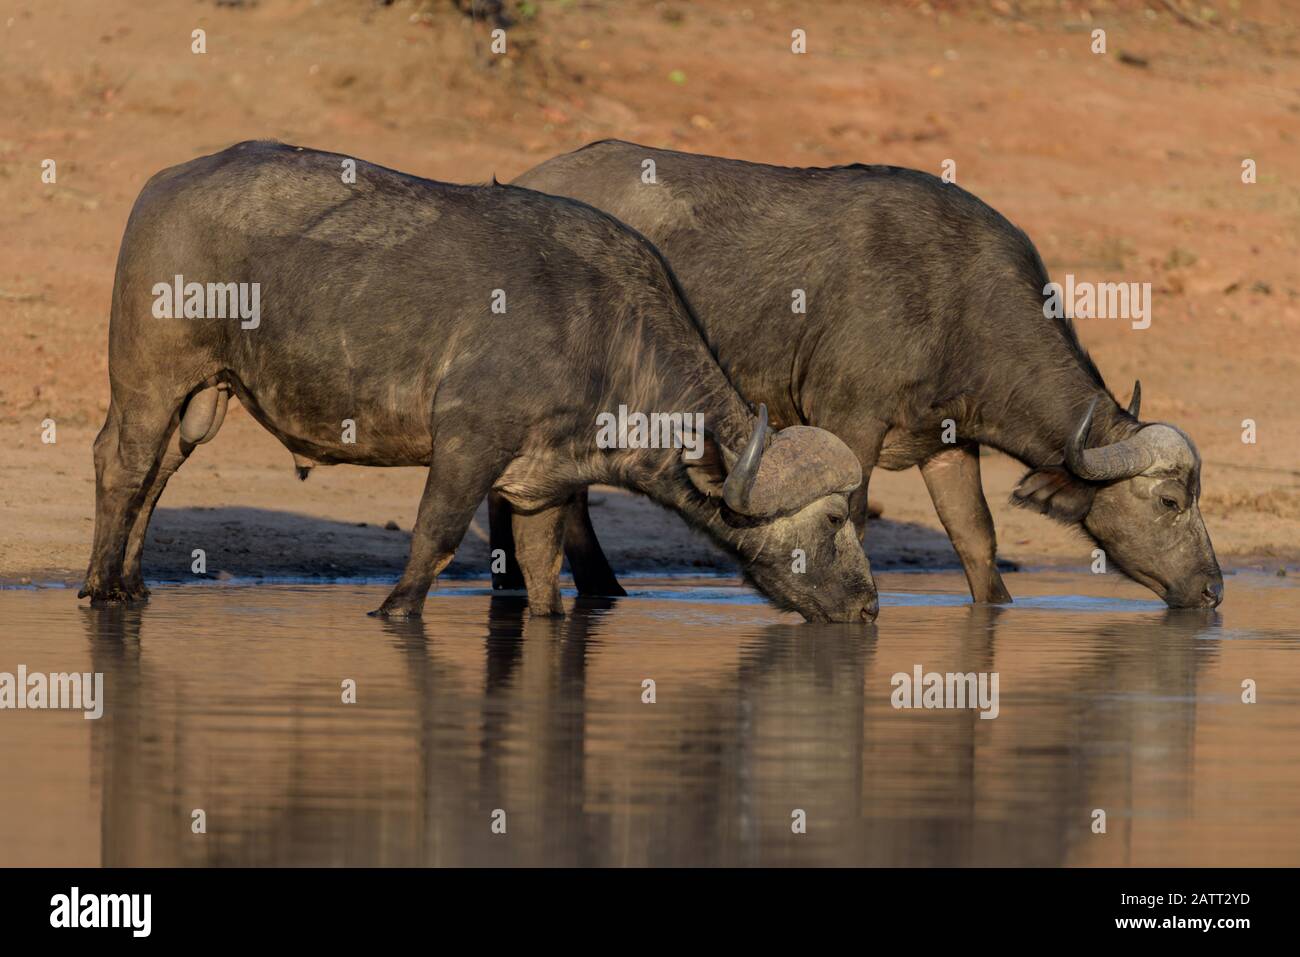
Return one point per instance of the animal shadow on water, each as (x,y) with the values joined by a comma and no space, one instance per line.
(255,543)
(791,713)
(251,543)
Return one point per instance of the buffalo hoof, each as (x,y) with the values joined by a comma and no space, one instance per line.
(994,593)
(395,611)
(101,595)
(997,595)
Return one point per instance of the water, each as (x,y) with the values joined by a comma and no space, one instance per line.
(228,699)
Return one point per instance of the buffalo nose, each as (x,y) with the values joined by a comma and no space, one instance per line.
(870,610)
(1212,594)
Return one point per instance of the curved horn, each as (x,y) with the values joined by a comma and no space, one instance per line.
(1135,403)
(740,480)
(1119,460)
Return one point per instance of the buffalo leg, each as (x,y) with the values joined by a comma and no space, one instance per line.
(456,484)
(591,572)
(132,574)
(953,478)
(539,539)
(502,539)
(864,437)
(128,454)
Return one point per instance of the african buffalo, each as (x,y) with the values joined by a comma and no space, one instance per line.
(480,331)
(924,315)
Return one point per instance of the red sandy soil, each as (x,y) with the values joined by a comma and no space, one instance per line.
(1124,166)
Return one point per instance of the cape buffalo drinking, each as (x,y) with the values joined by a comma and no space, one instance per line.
(922,305)
(478,331)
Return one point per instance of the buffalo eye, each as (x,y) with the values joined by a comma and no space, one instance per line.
(1169,503)
(836,519)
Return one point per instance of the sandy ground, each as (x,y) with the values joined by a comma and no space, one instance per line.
(1124,166)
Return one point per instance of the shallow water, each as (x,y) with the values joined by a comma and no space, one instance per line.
(228,699)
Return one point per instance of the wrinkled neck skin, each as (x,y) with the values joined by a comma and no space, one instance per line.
(672,377)
(1019,423)
(667,367)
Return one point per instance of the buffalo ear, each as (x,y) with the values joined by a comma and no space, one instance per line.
(708,466)
(1056,493)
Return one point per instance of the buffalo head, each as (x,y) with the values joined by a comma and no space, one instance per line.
(782,504)
(1138,499)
